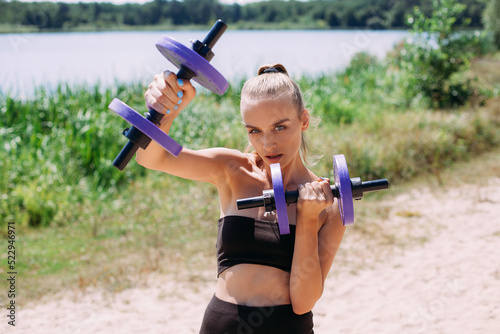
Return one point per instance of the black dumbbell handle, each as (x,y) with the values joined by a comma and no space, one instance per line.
(358,188)
(136,137)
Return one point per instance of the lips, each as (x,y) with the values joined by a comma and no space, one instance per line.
(274,158)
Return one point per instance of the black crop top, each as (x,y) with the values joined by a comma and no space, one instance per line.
(248,240)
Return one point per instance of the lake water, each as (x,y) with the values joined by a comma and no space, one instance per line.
(31,60)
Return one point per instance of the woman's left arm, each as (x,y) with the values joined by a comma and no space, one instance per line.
(318,235)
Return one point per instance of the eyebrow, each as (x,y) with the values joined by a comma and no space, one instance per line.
(275,124)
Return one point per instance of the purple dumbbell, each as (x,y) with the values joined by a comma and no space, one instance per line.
(345,190)
(279,199)
(192,64)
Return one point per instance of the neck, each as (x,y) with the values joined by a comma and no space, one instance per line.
(294,173)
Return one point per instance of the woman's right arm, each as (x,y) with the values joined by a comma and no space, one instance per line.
(207,165)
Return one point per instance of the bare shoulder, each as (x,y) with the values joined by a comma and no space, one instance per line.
(231,168)
(231,160)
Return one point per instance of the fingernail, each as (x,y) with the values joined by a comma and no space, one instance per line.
(168,111)
(180,94)
(179,102)
(180,82)
(176,107)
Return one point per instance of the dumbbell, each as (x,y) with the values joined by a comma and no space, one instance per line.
(345,190)
(192,64)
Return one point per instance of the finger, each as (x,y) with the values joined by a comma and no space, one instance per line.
(187,88)
(153,94)
(302,190)
(178,84)
(166,83)
(183,90)
(327,190)
(318,189)
(157,100)
(312,191)
(176,93)
(306,192)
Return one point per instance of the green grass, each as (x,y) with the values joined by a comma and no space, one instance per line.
(80,222)
(113,242)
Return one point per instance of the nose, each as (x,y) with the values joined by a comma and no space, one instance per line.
(269,142)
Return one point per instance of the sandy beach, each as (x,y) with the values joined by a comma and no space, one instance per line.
(446,280)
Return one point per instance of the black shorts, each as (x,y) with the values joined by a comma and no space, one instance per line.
(222,317)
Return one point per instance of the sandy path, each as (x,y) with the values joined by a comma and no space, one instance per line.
(449,284)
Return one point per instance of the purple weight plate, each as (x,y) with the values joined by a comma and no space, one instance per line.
(178,54)
(279,199)
(145,126)
(343,183)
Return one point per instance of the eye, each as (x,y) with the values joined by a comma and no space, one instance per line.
(253,131)
(279,127)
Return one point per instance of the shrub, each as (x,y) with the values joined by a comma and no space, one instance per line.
(435,53)
(56,148)
(491,18)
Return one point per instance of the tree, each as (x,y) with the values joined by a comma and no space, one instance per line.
(491,19)
(333,20)
(351,20)
(201,11)
(436,54)
(61,16)
(178,13)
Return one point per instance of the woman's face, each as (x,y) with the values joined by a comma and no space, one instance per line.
(274,128)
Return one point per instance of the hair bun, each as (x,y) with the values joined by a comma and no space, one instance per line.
(270,70)
(276,68)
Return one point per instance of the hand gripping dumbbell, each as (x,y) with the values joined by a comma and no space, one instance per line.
(345,190)
(192,64)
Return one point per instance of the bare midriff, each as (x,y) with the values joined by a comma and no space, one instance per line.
(254,285)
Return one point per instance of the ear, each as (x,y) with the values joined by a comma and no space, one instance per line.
(305,119)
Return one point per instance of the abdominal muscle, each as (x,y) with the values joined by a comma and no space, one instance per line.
(254,285)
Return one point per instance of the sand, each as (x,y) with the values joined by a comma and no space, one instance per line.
(448,282)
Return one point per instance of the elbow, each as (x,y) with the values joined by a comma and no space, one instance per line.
(305,303)
(302,308)
(143,160)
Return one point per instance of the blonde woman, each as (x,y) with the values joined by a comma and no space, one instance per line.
(267,282)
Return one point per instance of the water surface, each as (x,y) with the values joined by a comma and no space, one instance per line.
(31,60)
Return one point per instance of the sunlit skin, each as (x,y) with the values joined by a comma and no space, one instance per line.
(274,129)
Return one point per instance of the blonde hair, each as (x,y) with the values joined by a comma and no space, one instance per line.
(273,82)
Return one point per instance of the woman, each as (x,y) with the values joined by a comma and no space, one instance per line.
(267,282)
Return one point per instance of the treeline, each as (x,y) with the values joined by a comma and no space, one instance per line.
(328,14)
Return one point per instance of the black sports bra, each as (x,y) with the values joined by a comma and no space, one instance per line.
(248,240)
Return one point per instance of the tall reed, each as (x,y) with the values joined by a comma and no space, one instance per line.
(57,147)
